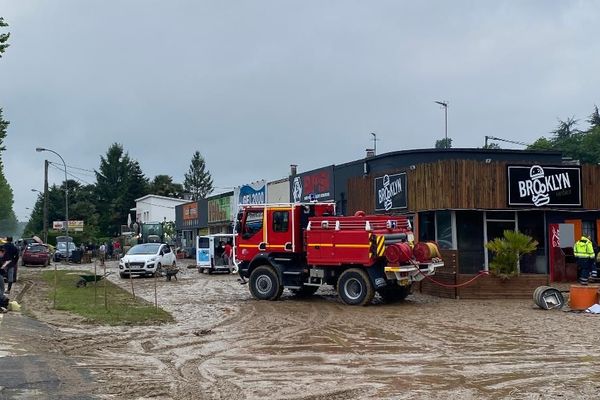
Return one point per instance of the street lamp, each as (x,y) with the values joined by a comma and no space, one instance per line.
(39,150)
(445,105)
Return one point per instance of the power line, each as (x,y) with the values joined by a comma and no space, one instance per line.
(77,178)
(81,173)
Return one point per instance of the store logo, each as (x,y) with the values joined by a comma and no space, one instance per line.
(539,186)
(388,191)
(297,190)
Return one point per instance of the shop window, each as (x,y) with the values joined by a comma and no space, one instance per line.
(426,226)
(281,221)
(588,229)
(531,223)
(469,235)
(443,229)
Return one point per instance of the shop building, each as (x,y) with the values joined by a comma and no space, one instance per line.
(219,213)
(154,208)
(191,220)
(463,198)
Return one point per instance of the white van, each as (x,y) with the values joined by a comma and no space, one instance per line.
(209,253)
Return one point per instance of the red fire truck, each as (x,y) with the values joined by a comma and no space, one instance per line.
(304,246)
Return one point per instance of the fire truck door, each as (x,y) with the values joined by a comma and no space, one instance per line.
(279,237)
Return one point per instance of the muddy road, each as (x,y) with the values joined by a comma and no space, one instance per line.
(225,345)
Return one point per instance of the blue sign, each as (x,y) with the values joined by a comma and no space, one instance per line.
(253,194)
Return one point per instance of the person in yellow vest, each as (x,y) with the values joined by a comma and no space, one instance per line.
(584,254)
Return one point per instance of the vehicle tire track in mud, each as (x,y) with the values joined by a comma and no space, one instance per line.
(226,345)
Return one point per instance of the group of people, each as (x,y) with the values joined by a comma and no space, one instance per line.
(585,255)
(9,256)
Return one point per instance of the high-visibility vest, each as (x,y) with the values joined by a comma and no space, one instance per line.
(583,248)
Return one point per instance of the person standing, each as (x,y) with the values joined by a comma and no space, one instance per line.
(10,258)
(227,253)
(584,254)
(3,268)
(102,253)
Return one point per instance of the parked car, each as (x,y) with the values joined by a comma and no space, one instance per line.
(71,252)
(36,254)
(146,259)
(23,243)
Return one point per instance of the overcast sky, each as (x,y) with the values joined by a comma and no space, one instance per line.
(258,85)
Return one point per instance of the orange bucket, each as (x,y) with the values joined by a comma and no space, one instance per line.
(581,297)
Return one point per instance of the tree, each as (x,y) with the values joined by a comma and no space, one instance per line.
(3,37)
(443,143)
(492,145)
(198,180)
(120,181)
(594,118)
(565,129)
(8,220)
(163,185)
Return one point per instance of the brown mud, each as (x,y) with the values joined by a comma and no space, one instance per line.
(226,345)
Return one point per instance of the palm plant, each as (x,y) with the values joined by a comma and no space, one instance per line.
(508,251)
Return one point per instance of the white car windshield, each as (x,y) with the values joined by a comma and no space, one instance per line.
(147,248)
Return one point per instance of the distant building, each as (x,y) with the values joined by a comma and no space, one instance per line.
(154,208)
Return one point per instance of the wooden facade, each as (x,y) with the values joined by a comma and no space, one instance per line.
(447,280)
(459,184)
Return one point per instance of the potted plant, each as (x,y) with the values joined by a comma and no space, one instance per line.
(508,251)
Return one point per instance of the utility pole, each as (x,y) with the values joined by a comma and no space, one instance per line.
(46,201)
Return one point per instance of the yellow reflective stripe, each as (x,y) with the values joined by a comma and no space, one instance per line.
(247,245)
(277,246)
(320,244)
(280,208)
(380,245)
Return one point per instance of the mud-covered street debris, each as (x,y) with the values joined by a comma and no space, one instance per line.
(313,348)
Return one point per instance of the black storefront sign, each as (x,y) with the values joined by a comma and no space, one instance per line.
(314,185)
(390,192)
(544,186)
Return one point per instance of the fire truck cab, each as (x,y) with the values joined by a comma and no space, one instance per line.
(303,246)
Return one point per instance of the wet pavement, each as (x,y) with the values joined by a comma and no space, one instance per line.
(226,345)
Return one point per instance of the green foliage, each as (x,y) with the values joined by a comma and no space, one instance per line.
(507,252)
(120,181)
(3,37)
(198,180)
(89,302)
(443,143)
(572,142)
(8,220)
(492,146)
(163,185)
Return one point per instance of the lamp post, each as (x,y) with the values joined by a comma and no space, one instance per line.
(40,149)
(445,105)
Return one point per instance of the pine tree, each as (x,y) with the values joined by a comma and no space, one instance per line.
(198,180)
(120,181)
(3,37)
(594,118)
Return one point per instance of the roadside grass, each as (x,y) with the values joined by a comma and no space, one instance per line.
(89,303)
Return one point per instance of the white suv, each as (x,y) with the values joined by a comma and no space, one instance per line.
(146,259)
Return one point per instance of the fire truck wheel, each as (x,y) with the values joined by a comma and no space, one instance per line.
(264,283)
(305,291)
(355,288)
(392,294)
